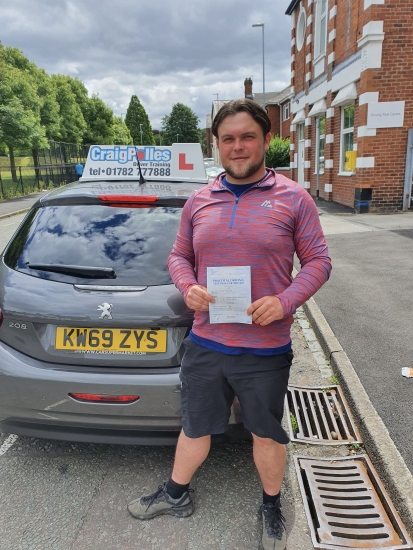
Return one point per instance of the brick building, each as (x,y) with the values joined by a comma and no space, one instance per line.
(277,105)
(352,106)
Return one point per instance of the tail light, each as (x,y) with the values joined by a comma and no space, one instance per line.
(109,399)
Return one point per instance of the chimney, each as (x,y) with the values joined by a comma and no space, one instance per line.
(248,88)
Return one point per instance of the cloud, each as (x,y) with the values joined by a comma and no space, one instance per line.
(176,51)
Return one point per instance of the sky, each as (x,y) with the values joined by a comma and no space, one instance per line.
(164,51)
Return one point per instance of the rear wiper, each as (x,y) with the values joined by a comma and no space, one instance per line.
(85,271)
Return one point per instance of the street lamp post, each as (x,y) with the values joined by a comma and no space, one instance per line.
(141,133)
(263,64)
(177,136)
(123,138)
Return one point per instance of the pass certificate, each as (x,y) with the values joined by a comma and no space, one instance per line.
(231,288)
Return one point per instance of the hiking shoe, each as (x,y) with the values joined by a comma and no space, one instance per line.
(273,527)
(159,503)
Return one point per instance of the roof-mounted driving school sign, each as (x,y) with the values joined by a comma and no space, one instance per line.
(181,162)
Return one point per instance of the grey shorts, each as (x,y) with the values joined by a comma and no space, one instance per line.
(210,380)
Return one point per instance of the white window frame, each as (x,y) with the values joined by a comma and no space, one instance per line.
(286,111)
(343,132)
(321,18)
(317,151)
(300,38)
(301,131)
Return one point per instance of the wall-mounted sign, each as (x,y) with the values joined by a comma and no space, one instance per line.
(385,114)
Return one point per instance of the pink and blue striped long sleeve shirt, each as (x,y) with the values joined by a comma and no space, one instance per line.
(263,228)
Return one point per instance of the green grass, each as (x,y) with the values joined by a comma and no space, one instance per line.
(294,423)
(13,189)
(335,380)
(28,161)
(20,161)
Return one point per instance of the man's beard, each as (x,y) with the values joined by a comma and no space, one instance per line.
(246,173)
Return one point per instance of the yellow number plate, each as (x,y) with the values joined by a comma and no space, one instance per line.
(110,339)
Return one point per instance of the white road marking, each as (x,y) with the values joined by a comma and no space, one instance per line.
(55,404)
(8,443)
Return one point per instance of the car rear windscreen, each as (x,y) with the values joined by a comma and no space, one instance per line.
(134,242)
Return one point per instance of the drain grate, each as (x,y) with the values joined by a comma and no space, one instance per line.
(347,506)
(321,416)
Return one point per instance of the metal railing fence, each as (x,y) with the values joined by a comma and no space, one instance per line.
(51,167)
(30,179)
(60,152)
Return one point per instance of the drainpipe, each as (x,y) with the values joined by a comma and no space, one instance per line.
(281,120)
(407,194)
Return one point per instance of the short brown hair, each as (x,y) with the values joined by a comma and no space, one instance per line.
(242,106)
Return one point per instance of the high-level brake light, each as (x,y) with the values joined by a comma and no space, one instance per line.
(129,201)
(128,198)
(108,399)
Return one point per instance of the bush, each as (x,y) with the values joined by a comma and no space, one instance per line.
(279,153)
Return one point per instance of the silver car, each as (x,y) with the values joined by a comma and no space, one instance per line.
(213,171)
(91,325)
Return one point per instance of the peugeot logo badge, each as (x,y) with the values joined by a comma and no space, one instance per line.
(106,310)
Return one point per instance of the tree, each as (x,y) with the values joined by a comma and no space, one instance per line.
(41,84)
(157,136)
(180,126)
(20,128)
(138,123)
(80,92)
(49,107)
(121,133)
(278,153)
(203,141)
(99,122)
(19,110)
(73,125)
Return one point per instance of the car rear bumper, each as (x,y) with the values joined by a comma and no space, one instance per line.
(63,431)
(81,434)
(35,402)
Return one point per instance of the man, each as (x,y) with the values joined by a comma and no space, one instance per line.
(249,216)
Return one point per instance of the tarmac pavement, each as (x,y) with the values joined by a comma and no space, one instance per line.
(368,304)
(18,205)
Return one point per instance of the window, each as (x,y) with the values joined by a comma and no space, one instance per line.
(320,28)
(301,29)
(346,142)
(286,111)
(321,142)
(135,242)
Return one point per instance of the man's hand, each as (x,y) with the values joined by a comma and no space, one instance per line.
(198,298)
(266,310)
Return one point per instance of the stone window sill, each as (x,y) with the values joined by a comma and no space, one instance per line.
(346,174)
